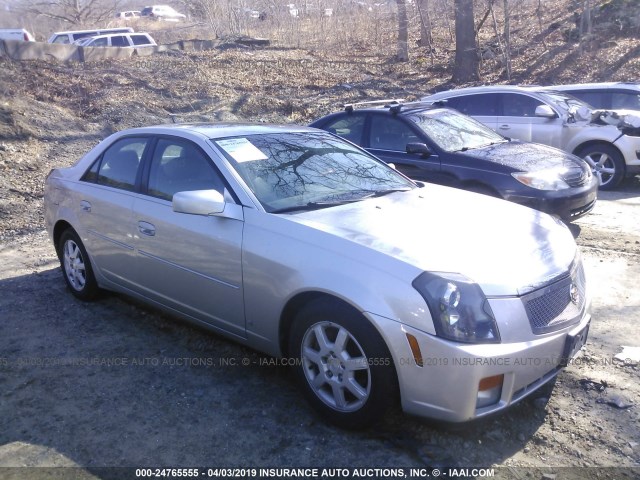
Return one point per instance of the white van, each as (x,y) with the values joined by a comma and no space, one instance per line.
(122,40)
(72,36)
(16,34)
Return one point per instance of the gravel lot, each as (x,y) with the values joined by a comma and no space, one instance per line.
(113,383)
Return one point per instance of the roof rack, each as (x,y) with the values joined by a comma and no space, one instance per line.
(394,104)
(349,107)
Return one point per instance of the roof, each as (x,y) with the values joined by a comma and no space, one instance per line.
(220,130)
(598,85)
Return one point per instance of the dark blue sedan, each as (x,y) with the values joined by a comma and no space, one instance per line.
(440,145)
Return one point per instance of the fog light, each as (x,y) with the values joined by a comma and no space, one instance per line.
(489,391)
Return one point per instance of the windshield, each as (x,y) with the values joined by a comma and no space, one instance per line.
(565,101)
(454,132)
(297,171)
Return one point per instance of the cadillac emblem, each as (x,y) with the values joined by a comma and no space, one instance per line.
(574,294)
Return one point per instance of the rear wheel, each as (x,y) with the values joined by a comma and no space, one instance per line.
(607,164)
(344,367)
(76,266)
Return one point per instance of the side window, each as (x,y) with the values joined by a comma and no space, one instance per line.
(625,100)
(140,40)
(61,39)
(349,127)
(178,166)
(119,165)
(516,105)
(483,104)
(389,133)
(99,42)
(595,99)
(119,41)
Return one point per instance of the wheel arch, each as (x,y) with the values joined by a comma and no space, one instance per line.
(590,143)
(293,306)
(58,230)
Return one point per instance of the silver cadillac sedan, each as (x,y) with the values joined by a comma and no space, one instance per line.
(299,244)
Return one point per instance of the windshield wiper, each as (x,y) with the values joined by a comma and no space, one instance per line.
(380,193)
(311,206)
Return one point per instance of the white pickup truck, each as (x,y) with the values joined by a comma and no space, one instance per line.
(16,34)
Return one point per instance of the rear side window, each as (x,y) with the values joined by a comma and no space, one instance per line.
(119,41)
(118,165)
(349,127)
(140,40)
(484,104)
(516,105)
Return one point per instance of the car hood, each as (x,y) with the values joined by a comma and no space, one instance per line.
(506,248)
(526,157)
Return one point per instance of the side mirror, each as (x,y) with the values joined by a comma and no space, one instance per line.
(419,148)
(392,165)
(198,202)
(545,111)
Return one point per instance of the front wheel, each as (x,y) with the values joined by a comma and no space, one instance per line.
(344,367)
(607,164)
(76,266)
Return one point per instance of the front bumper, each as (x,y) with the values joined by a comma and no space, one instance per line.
(569,204)
(446,386)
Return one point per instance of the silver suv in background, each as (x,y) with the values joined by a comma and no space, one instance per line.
(609,95)
(75,35)
(122,40)
(552,118)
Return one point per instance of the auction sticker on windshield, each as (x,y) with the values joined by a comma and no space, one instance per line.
(241,150)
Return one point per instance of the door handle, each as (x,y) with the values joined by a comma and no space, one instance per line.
(504,127)
(147,228)
(85,206)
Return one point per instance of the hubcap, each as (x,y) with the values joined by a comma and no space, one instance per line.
(74,267)
(602,165)
(336,367)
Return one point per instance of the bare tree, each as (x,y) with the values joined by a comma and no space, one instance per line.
(467,61)
(73,12)
(507,40)
(403,31)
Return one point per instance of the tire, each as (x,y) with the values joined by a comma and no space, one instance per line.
(607,164)
(76,266)
(342,364)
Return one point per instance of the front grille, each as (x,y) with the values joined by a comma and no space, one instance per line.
(576,177)
(559,304)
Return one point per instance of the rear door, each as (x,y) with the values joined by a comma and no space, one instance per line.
(105,199)
(191,263)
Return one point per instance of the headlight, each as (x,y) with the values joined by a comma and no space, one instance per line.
(459,309)
(541,180)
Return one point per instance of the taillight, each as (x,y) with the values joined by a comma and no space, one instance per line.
(26,37)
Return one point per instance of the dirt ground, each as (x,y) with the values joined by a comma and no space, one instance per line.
(113,383)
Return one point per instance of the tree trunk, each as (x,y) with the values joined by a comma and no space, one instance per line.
(507,40)
(466,61)
(403,31)
(426,38)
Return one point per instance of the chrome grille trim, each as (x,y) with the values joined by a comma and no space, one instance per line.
(551,308)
